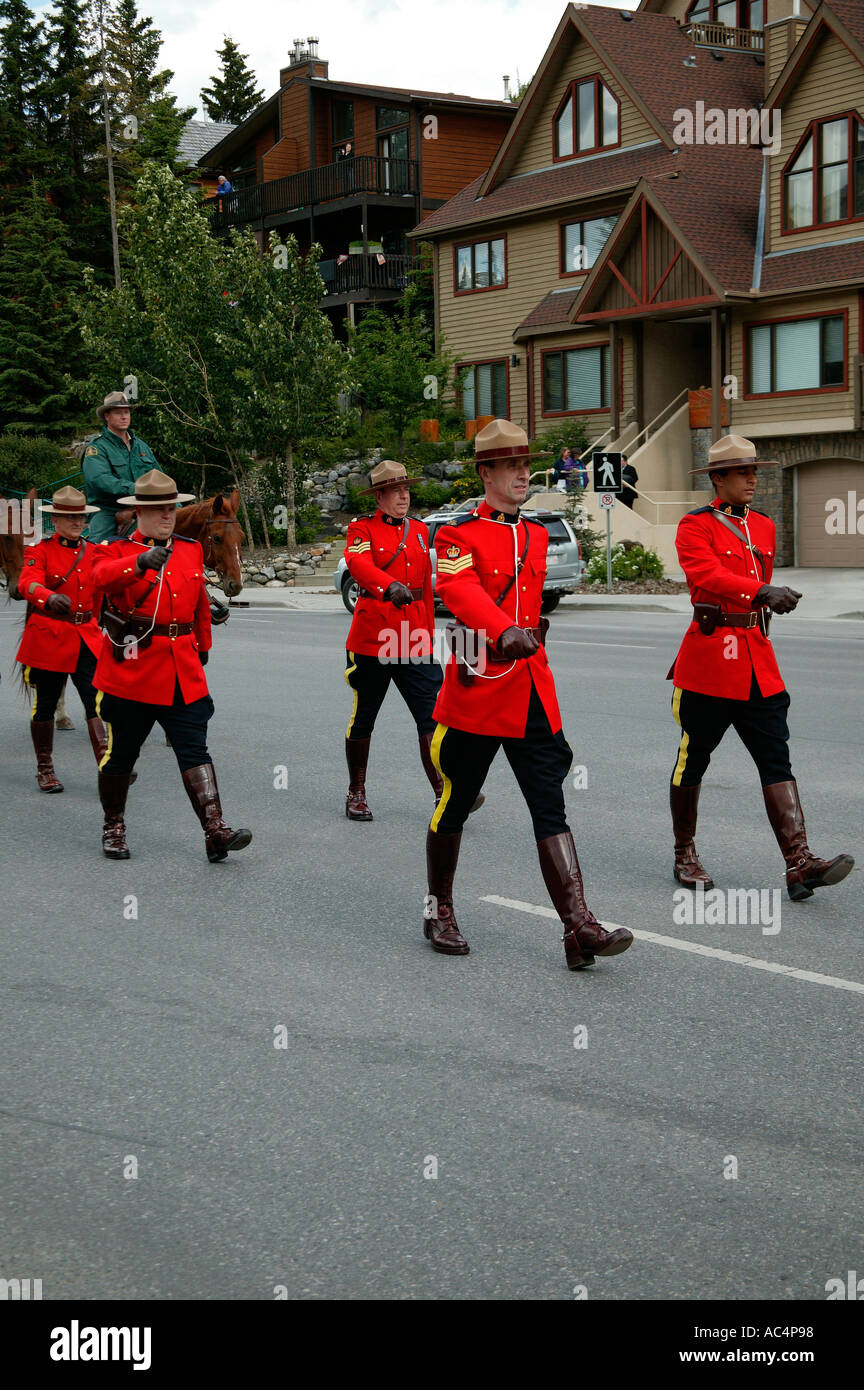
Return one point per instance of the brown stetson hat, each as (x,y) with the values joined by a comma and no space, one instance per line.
(155,489)
(115,400)
(500,440)
(68,501)
(733,451)
(385,474)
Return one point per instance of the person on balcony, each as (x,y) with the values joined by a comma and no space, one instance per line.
(223,186)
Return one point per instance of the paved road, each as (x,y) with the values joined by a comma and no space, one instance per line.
(303,1165)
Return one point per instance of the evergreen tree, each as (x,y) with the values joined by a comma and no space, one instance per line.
(76,136)
(23,79)
(232,96)
(147,123)
(39,335)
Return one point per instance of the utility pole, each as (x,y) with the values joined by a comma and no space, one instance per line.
(99,11)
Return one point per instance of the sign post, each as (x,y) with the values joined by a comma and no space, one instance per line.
(608,483)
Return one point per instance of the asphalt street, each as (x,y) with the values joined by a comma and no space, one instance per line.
(274,1047)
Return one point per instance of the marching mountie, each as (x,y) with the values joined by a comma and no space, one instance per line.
(391,635)
(112,463)
(726,673)
(61,636)
(150,670)
(491,569)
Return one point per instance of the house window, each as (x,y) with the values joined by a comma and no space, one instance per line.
(738,14)
(484,389)
(796,355)
(342,116)
(582,242)
(576,380)
(481,266)
(387,116)
(587,119)
(824,180)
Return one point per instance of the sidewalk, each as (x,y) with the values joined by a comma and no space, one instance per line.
(827,594)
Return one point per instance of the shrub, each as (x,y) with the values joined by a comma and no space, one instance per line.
(633,562)
(33,461)
(431,495)
(358,503)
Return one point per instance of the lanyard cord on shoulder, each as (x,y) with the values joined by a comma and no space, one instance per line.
(158,588)
(512,665)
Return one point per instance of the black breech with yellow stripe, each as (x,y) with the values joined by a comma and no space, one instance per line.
(760,723)
(129,722)
(47,687)
(540,761)
(417,681)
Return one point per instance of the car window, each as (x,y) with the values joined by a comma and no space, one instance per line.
(557,530)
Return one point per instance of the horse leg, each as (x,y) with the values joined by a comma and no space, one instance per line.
(61,718)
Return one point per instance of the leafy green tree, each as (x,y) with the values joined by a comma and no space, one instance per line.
(232,94)
(77,169)
(147,122)
(396,365)
(39,339)
(230,354)
(24,74)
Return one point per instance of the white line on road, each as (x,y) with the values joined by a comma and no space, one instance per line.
(695,948)
(634,646)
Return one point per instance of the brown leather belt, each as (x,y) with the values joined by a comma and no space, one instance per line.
(76,619)
(737,619)
(416,594)
(173,629)
(495,658)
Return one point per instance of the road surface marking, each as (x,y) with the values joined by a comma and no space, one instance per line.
(633,646)
(694,947)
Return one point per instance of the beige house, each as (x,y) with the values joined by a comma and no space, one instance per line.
(678,208)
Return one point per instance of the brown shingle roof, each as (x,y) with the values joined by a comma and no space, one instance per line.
(823,265)
(555,308)
(851,12)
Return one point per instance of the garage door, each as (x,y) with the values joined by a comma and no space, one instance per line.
(821,484)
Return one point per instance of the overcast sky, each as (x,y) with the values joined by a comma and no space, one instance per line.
(439,45)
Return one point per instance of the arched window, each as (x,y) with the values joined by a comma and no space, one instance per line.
(587,120)
(823,183)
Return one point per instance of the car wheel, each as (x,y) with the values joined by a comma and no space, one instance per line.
(549,603)
(350,593)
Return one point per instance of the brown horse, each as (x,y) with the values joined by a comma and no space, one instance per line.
(214,523)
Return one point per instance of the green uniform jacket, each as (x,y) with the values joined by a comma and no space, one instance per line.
(110,471)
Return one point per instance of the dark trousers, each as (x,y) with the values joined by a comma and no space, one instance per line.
(47,686)
(540,761)
(418,682)
(130,721)
(759,722)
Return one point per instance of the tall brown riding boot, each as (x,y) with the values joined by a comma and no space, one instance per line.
(804,871)
(42,733)
(439,920)
(219,838)
(113,788)
(357,753)
(684,802)
(435,777)
(583,938)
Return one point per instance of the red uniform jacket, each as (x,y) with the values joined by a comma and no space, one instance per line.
(380,628)
(151,676)
(475,561)
(50,643)
(720,569)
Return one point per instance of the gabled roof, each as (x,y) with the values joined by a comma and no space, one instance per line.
(199,137)
(646,55)
(553,309)
(845,18)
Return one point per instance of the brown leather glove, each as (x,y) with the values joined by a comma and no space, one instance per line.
(779,600)
(516,643)
(59,603)
(398,594)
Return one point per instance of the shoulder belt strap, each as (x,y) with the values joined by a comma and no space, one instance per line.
(730,526)
(406,527)
(519,563)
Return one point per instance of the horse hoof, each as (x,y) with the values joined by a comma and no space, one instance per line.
(64,725)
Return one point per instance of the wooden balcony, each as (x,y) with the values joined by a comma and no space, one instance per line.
(347,180)
(712,35)
(362,277)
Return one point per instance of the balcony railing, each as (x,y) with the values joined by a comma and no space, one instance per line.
(348,178)
(713,35)
(359,273)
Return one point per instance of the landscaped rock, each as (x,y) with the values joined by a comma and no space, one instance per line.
(274,584)
(268,571)
(453,470)
(329,502)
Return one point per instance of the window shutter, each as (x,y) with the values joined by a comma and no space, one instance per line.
(760,359)
(469,395)
(484,390)
(584,384)
(552,394)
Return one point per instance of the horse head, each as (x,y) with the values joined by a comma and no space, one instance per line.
(214,523)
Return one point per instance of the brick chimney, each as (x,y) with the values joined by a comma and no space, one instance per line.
(785,22)
(303,61)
